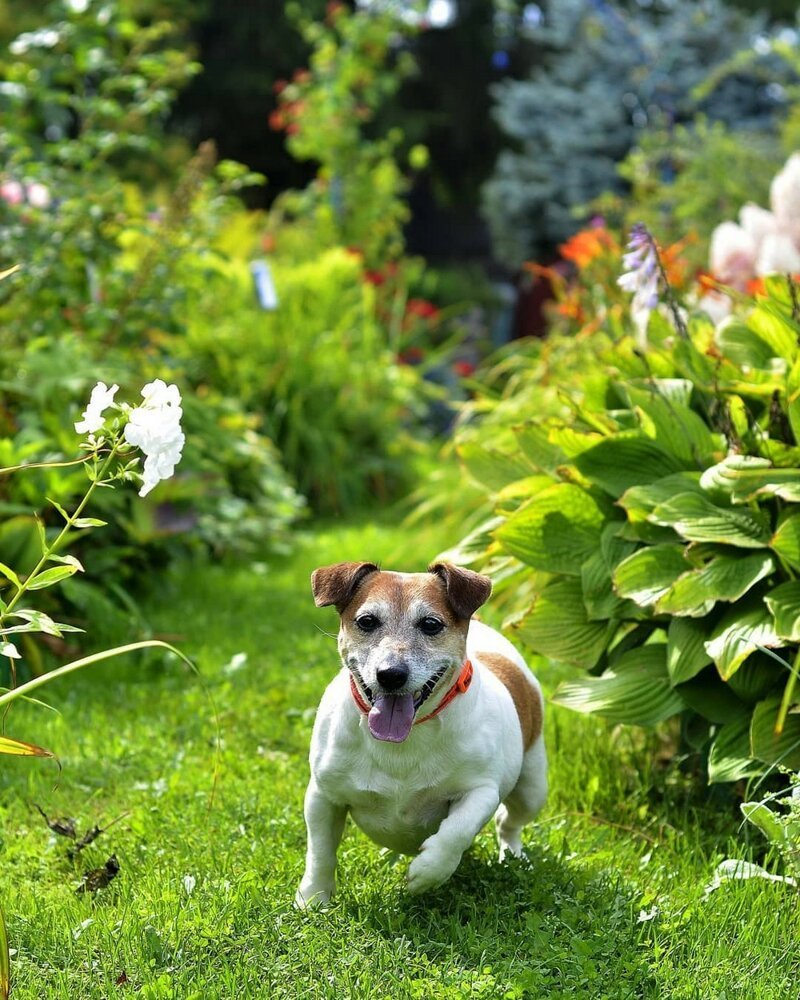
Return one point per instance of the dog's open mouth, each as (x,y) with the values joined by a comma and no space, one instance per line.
(392,715)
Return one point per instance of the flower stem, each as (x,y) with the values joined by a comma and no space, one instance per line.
(50,549)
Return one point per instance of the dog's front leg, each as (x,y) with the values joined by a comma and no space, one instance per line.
(440,854)
(325,825)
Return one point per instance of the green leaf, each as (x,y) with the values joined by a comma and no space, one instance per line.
(758,676)
(786,540)
(9,650)
(767,821)
(711,697)
(636,691)
(557,531)
(742,345)
(741,632)
(598,594)
(649,573)
(775,330)
(557,625)
(730,757)
(89,522)
(40,622)
(67,561)
(699,520)
(686,649)
(51,576)
(744,478)
(784,603)
(724,578)
(535,444)
(59,508)
(641,501)
(490,468)
(675,427)
(618,463)
(9,574)
(783,749)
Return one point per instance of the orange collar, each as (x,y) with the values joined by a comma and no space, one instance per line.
(461,685)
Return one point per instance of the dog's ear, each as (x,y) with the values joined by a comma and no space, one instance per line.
(336,584)
(466,591)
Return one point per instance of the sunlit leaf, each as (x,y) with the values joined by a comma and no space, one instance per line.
(16,748)
(697,519)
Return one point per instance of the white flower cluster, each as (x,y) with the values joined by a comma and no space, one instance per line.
(102,397)
(762,242)
(155,427)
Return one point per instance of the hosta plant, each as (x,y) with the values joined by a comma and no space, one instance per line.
(652,536)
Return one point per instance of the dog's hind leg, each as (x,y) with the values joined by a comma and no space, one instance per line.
(524,802)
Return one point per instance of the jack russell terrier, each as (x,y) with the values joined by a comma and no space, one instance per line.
(433,726)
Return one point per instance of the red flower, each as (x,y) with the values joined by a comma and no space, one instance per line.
(279,86)
(421,308)
(374,277)
(464,368)
(276,120)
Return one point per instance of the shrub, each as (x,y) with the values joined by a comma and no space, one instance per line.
(649,535)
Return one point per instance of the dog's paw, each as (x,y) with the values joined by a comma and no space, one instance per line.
(312,897)
(430,868)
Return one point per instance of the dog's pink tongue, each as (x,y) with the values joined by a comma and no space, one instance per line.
(392,717)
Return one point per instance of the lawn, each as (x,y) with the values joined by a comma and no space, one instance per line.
(611,903)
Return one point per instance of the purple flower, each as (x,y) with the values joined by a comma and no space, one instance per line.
(641,275)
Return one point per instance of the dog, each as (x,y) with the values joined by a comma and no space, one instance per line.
(433,726)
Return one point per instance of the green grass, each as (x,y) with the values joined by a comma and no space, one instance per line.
(622,834)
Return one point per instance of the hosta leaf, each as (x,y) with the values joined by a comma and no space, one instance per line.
(491,468)
(686,648)
(758,676)
(618,463)
(722,476)
(598,594)
(636,691)
(52,576)
(711,697)
(730,757)
(535,444)
(776,330)
(678,429)
(724,578)
(641,501)
(784,603)
(557,531)
(740,633)
(766,820)
(557,625)
(742,345)
(786,540)
(649,573)
(699,520)
(513,496)
(783,749)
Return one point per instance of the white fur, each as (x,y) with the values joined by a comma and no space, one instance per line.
(430,795)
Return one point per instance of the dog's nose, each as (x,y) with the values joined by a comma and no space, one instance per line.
(394,677)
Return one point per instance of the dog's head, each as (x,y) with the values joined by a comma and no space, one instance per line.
(402,635)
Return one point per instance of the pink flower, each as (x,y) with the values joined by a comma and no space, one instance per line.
(12,192)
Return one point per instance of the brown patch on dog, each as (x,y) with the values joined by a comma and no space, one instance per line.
(337,584)
(401,590)
(524,695)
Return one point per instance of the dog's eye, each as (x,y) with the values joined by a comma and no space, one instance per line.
(368,623)
(430,625)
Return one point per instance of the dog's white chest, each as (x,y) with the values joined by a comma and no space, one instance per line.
(399,820)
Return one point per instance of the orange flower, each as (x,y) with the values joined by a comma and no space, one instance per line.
(587,245)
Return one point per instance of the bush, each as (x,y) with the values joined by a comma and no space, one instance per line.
(648,532)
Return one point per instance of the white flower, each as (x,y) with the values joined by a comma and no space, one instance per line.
(778,255)
(784,197)
(717,305)
(102,397)
(155,428)
(758,222)
(733,255)
(39,195)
